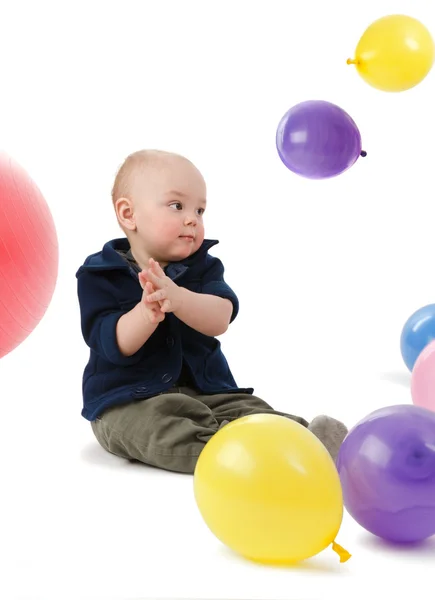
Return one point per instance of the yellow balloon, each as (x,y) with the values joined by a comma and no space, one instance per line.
(394,54)
(268,489)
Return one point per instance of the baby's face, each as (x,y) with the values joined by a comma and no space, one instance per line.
(169,204)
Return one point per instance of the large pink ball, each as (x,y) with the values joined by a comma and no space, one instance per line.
(29,255)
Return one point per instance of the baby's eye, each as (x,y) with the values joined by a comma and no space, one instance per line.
(201,211)
(177,204)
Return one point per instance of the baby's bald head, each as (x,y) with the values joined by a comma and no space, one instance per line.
(135,167)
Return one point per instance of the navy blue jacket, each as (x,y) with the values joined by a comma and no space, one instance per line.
(108,287)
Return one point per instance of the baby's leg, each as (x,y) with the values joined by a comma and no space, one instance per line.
(228,407)
(330,432)
(167,431)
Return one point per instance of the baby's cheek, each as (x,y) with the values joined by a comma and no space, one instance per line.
(170,230)
(199,238)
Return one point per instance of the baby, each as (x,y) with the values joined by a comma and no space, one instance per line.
(157,386)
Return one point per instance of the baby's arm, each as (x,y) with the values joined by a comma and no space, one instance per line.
(206,313)
(110,331)
(133,330)
(211,311)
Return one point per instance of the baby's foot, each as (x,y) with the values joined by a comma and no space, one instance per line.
(330,432)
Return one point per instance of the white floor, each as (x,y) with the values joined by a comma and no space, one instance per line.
(77,522)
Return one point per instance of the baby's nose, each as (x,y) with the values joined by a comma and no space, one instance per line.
(191,218)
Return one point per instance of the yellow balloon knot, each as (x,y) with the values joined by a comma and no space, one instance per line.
(342,553)
(351,61)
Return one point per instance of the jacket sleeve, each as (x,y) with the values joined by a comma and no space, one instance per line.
(213,283)
(99,313)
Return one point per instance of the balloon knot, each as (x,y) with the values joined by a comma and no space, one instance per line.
(363,153)
(351,61)
(342,553)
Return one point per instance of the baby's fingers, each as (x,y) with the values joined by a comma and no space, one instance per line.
(166,306)
(157,268)
(142,280)
(156,296)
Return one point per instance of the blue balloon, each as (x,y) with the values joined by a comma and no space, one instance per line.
(417,333)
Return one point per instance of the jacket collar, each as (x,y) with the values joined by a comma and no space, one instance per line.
(110,259)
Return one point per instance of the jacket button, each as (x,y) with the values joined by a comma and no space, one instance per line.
(166,378)
(141,389)
(170,341)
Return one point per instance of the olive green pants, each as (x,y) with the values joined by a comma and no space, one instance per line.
(170,430)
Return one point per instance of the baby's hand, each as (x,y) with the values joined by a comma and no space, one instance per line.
(167,293)
(152,311)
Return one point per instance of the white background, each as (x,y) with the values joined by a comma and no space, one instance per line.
(326,272)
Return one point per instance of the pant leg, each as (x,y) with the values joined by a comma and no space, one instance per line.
(228,407)
(167,431)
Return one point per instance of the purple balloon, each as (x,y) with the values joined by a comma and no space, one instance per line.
(318,140)
(387,471)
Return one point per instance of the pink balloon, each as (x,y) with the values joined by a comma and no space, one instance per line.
(423,378)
